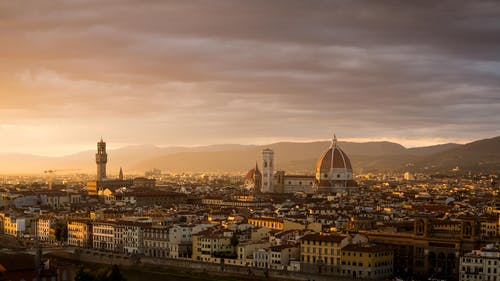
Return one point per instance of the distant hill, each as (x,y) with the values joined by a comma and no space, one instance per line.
(293,157)
(428,150)
(477,156)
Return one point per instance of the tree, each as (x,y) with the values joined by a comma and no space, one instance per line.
(114,274)
(234,241)
(83,274)
(101,274)
(61,231)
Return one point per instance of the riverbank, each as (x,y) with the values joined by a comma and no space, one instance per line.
(160,269)
(150,272)
(145,272)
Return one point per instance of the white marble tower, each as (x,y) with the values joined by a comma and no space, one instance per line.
(267,170)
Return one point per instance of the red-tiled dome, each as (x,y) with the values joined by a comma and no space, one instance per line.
(338,160)
(252,173)
(334,170)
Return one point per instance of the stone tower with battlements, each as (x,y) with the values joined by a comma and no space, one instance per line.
(101,159)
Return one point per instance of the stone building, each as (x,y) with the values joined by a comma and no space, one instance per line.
(481,264)
(433,248)
(367,261)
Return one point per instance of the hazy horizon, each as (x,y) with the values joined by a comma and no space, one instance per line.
(111,146)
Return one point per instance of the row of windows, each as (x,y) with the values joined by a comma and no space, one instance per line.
(369,273)
(478,261)
(204,246)
(103,230)
(76,229)
(321,251)
(309,259)
(163,235)
(103,238)
(157,253)
(155,244)
(480,277)
(300,183)
(384,254)
(377,264)
(100,245)
(267,224)
(320,243)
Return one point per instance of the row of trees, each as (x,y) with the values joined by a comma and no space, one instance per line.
(110,273)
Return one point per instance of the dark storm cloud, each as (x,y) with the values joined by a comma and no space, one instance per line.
(250,70)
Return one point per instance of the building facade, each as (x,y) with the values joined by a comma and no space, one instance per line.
(321,253)
(212,243)
(14,226)
(368,261)
(156,241)
(44,229)
(79,233)
(481,264)
(180,241)
(103,236)
(431,249)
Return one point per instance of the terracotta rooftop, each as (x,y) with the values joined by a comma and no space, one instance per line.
(323,238)
(339,160)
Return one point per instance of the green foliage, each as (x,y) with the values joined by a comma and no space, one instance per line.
(225,255)
(84,274)
(114,274)
(61,231)
(111,273)
(234,240)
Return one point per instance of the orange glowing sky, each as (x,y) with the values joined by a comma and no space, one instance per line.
(250,72)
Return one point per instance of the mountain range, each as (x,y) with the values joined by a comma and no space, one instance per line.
(293,157)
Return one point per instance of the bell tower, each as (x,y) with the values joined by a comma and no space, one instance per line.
(267,170)
(101,159)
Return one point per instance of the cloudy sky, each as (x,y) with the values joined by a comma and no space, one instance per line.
(213,71)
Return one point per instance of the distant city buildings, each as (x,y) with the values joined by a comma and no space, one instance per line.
(408,176)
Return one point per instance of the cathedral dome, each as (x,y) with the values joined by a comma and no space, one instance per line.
(334,169)
(333,158)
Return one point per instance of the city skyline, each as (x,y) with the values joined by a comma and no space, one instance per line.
(250,140)
(180,74)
